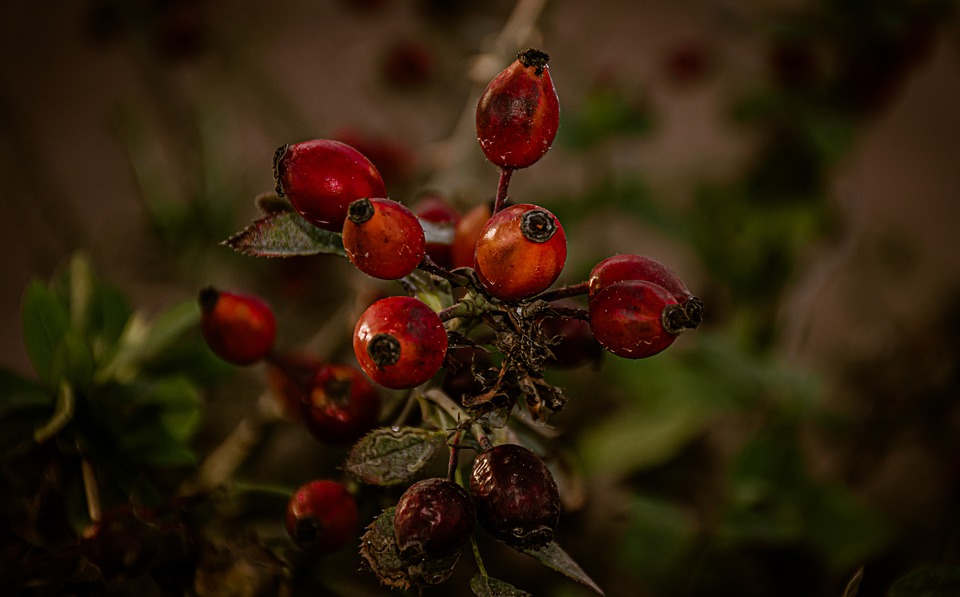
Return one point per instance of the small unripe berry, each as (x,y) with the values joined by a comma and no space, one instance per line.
(383,238)
(619,268)
(519,112)
(238,328)
(322,177)
(400,342)
(635,319)
(517,499)
(521,251)
(322,516)
(434,519)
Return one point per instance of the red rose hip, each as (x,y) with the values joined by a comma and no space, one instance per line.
(238,328)
(321,178)
(521,251)
(434,519)
(619,268)
(635,319)
(435,210)
(341,405)
(518,113)
(322,516)
(382,238)
(400,342)
(517,499)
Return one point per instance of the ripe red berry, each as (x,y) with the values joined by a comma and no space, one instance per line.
(383,238)
(521,251)
(239,329)
(635,319)
(519,112)
(435,210)
(400,342)
(434,519)
(341,405)
(465,235)
(322,516)
(322,177)
(517,500)
(619,268)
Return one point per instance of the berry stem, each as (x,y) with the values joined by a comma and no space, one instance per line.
(431,267)
(563,292)
(91,490)
(505,174)
(454,456)
(476,555)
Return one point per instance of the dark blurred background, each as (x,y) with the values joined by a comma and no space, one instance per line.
(797,162)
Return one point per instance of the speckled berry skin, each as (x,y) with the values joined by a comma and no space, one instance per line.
(516,497)
(514,263)
(322,177)
(400,342)
(342,404)
(434,519)
(383,238)
(519,112)
(238,328)
(631,318)
(619,268)
(322,516)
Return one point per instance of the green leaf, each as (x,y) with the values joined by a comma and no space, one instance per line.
(142,341)
(72,361)
(554,557)
(486,586)
(45,321)
(24,406)
(933,582)
(390,456)
(285,234)
(658,539)
(379,552)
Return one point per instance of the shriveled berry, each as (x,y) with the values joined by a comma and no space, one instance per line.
(466,234)
(383,238)
(238,328)
(521,251)
(322,177)
(619,268)
(519,112)
(400,342)
(517,500)
(434,519)
(322,516)
(341,405)
(436,210)
(635,319)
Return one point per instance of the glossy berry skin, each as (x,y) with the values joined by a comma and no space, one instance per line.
(382,238)
(322,516)
(341,405)
(619,268)
(517,499)
(400,342)
(322,177)
(635,319)
(434,519)
(519,112)
(238,328)
(521,251)
(435,210)
(466,234)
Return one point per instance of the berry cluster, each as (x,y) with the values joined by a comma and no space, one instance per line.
(478,284)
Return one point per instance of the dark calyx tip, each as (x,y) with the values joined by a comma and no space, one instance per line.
(307,530)
(208,299)
(532,57)
(384,349)
(674,319)
(694,310)
(537,226)
(278,167)
(360,211)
